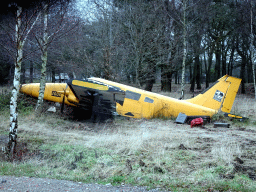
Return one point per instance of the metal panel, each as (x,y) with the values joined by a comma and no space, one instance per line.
(132,95)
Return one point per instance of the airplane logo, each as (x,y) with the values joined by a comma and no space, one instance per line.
(218,95)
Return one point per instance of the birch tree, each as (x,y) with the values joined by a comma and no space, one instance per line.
(20,39)
(43,45)
(184,23)
(178,14)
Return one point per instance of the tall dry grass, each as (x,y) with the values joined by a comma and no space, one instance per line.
(79,150)
(245,105)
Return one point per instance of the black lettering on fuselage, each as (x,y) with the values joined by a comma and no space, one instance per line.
(56,94)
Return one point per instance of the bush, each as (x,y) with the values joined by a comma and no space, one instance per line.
(5,101)
(25,104)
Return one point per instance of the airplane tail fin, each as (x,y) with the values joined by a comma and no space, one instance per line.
(219,96)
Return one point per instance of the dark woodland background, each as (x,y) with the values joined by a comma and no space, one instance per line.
(138,42)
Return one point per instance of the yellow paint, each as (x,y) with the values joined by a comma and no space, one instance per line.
(202,105)
(90,85)
(228,85)
(235,116)
(143,104)
(53,92)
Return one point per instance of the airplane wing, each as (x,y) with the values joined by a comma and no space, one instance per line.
(98,97)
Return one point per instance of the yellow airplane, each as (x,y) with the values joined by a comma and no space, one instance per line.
(107,97)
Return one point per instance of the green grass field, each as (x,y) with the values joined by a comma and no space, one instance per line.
(153,153)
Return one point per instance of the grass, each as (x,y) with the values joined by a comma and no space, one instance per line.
(134,151)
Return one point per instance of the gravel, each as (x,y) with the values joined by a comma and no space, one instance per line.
(31,184)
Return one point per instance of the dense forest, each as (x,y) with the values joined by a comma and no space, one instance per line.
(134,41)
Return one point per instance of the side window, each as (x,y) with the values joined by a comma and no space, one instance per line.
(132,95)
(148,100)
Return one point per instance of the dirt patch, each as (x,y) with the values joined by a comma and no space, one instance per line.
(20,154)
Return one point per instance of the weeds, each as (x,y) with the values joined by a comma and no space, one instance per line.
(137,152)
(25,104)
(5,101)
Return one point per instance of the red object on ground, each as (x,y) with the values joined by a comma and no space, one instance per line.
(197,122)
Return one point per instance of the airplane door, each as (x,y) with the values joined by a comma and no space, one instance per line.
(132,106)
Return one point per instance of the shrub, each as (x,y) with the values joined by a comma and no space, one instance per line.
(25,104)
(5,101)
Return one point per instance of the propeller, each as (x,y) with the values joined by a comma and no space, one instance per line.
(63,101)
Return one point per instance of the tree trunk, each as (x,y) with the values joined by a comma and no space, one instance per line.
(10,76)
(166,82)
(208,69)
(224,60)
(176,77)
(184,51)
(208,72)
(16,80)
(23,74)
(44,62)
(218,60)
(198,72)
(249,70)
(242,73)
(149,84)
(31,71)
(59,77)
(16,86)
(150,78)
(231,59)
(192,80)
(128,78)
(53,75)
(252,52)
(106,63)
(254,78)
(137,70)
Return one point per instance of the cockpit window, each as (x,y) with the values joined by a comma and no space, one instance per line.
(132,95)
(148,100)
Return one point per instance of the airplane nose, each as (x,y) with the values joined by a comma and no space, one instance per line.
(21,88)
(24,89)
(31,89)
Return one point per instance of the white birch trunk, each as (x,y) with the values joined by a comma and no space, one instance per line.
(184,51)
(16,85)
(44,61)
(16,81)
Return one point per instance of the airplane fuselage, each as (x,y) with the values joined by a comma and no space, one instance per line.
(137,103)
(144,104)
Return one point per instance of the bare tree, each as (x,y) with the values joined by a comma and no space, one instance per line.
(251,48)
(43,46)
(45,41)
(184,23)
(26,18)
(21,35)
